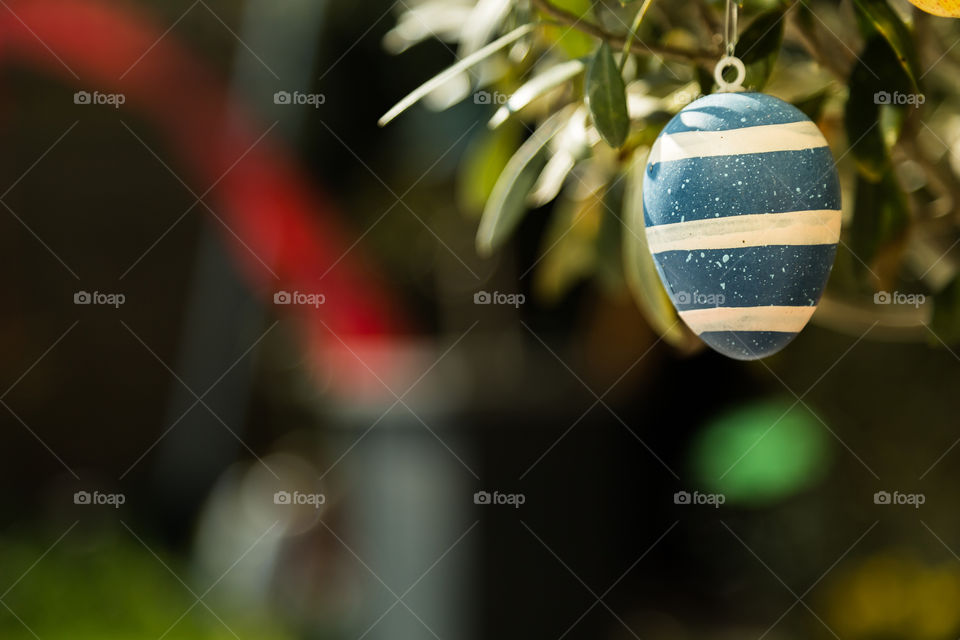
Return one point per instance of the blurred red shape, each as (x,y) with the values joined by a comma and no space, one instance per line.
(275,221)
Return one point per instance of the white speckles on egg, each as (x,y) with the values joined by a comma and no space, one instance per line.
(759,175)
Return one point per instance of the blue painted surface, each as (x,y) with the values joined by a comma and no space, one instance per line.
(725,111)
(738,278)
(721,186)
(783,275)
(747,345)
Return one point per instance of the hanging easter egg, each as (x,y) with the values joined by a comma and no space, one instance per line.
(946,8)
(742,211)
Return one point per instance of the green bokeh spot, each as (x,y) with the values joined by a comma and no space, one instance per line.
(762,453)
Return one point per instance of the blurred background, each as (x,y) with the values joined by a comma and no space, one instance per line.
(252,387)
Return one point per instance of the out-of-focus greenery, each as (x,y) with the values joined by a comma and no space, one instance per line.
(762,453)
(592,83)
(110,589)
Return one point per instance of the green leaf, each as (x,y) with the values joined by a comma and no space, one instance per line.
(607,97)
(609,265)
(483,162)
(573,42)
(812,106)
(482,24)
(946,313)
(885,21)
(536,87)
(758,47)
(641,273)
(508,202)
(881,217)
(569,252)
(460,66)
(876,74)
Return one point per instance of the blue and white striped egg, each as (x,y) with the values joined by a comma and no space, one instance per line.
(742,210)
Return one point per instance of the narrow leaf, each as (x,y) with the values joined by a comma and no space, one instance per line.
(487,154)
(534,88)
(881,218)
(640,271)
(946,314)
(453,70)
(569,252)
(572,42)
(481,24)
(607,97)
(758,47)
(508,202)
(874,81)
(886,22)
(551,180)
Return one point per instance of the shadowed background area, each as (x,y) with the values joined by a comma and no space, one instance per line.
(251,387)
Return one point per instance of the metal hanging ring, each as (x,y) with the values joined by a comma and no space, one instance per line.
(722,65)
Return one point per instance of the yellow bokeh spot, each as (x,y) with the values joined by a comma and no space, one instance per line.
(896,596)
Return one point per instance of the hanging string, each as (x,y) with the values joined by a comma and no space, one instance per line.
(730,32)
(730,28)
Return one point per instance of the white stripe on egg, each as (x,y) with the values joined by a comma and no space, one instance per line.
(785,319)
(792,136)
(755,230)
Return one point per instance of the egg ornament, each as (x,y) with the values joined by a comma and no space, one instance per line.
(742,212)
